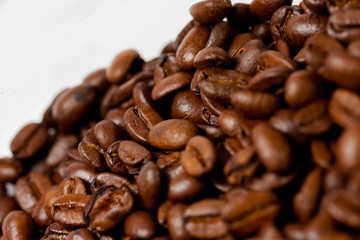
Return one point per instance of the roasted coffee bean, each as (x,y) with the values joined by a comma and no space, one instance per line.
(40,213)
(193,42)
(59,149)
(163,213)
(316,6)
(106,132)
(112,179)
(255,104)
(170,84)
(238,43)
(10,170)
(98,80)
(312,119)
(29,189)
(262,31)
(344,207)
(18,225)
(347,152)
(264,9)
(342,69)
(273,148)
(270,58)
(241,167)
(210,11)
(203,219)
(80,234)
(7,204)
(199,156)
(140,225)
(343,25)
(72,186)
(133,154)
(270,181)
(74,169)
(92,153)
(182,34)
(124,62)
(302,87)
(166,66)
(246,212)
(343,107)
(142,94)
(247,56)
(212,57)
(184,188)
(72,105)
(306,201)
(269,231)
(149,185)
(107,207)
(354,48)
(176,224)
(172,134)
(139,120)
(29,141)
(50,196)
(170,165)
(269,80)
(321,153)
(113,160)
(220,35)
(240,16)
(68,210)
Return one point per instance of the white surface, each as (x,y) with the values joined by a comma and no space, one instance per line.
(47,45)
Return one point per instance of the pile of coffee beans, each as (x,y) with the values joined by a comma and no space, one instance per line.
(247,126)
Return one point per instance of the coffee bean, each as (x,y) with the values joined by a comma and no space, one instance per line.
(170,165)
(98,80)
(263,9)
(176,224)
(7,204)
(29,141)
(10,169)
(140,225)
(112,179)
(18,225)
(107,207)
(210,11)
(80,234)
(149,185)
(170,84)
(199,156)
(172,134)
(347,149)
(343,25)
(133,155)
(184,188)
(212,57)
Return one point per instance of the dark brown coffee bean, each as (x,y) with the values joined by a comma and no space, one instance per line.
(140,225)
(233,124)
(212,105)
(270,58)
(270,181)
(172,134)
(348,152)
(255,104)
(165,67)
(317,48)
(40,213)
(50,196)
(124,62)
(312,119)
(68,210)
(98,80)
(176,224)
(212,57)
(262,31)
(80,234)
(269,231)
(193,42)
(112,179)
(210,11)
(106,132)
(354,48)
(321,153)
(113,160)
(7,204)
(74,169)
(264,9)
(238,43)
(133,154)
(343,25)
(203,220)
(184,188)
(116,115)
(220,35)
(342,69)
(269,80)
(247,56)
(343,107)
(149,185)
(29,141)
(182,34)
(92,153)
(241,167)
(18,225)
(245,213)
(306,201)
(344,207)
(59,149)
(316,6)
(170,84)
(72,186)
(302,87)
(139,120)
(162,213)
(241,17)
(107,207)
(29,189)
(199,156)
(170,165)
(72,105)
(10,170)
(273,148)
(142,94)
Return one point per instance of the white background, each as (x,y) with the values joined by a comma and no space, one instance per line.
(47,45)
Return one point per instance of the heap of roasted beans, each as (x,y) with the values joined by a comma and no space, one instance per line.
(247,126)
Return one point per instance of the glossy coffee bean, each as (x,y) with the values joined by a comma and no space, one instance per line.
(212,57)
(199,156)
(7,204)
(59,149)
(343,25)
(10,169)
(316,6)
(113,160)
(140,225)
(347,154)
(263,9)
(270,58)
(166,66)
(149,185)
(98,80)
(80,234)
(273,148)
(91,152)
(29,141)
(184,188)
(210,11)
(220,35)
(106,132)
(270,79)
(107,207)
(170,165)
(247,56)
(172,134)
(170,84)
(112,179)
(122,64)
(18,225)
(176,224)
